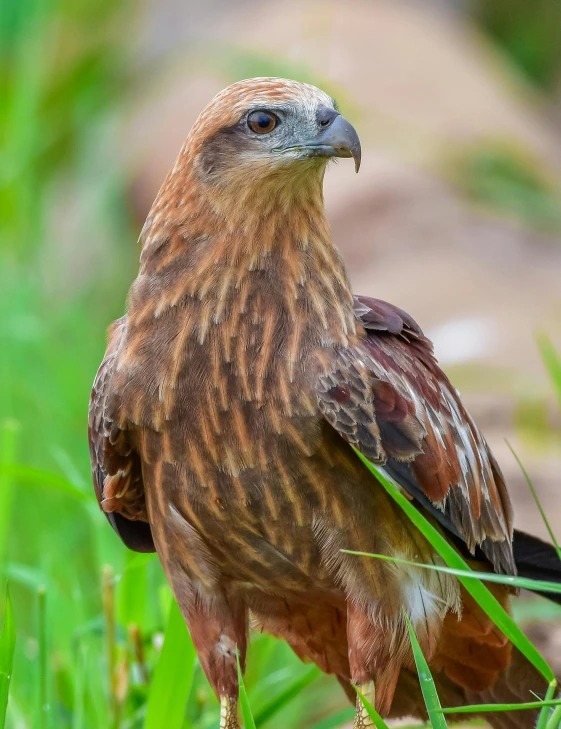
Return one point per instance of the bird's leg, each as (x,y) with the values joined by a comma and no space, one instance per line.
(215,614)
(373,671)
(218,625)
(359,632)
(362,718)
(218,629)
(228,713)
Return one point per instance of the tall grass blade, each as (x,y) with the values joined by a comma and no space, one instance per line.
(8,446)
(522,582)
(475,587)
(536,500)
(545,711)
(428,688)
(7,650)
(554,720)
(247,716)
(133,589)
(173,676)
(552,362)
(108,600)
(485,708)
(80,680)
(43,676)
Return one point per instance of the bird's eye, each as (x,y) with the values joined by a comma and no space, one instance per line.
(262,122)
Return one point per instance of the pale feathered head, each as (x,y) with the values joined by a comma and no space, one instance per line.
(269,126)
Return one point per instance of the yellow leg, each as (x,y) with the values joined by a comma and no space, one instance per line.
(228,713)
(362,720)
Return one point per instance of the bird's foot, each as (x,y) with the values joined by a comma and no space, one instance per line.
(362,718)
(228,713)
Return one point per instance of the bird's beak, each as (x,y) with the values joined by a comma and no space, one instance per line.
(338,140)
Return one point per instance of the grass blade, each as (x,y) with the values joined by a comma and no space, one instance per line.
(545,712)
(43,687)
(554,721)
(485,708)
(108,600)
(8,445)
(476,588)
(536,500)
(133,589)
(247,716)
(173,676)
(523,582)
(551,361)
(428,688)
(7,649)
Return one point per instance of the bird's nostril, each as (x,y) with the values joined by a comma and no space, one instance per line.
(325,116)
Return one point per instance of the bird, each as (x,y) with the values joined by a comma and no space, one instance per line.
(225,418)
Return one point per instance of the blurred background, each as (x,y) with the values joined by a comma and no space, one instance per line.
(455,217)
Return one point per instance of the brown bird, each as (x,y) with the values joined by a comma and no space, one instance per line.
(223,415)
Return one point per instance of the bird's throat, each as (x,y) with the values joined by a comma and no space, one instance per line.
(280,266)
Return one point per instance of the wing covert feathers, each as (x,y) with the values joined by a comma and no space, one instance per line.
(388,398)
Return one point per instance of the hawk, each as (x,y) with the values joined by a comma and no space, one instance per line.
(224,415)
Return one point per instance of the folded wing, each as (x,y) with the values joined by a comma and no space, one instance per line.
(116,468)
(388,398)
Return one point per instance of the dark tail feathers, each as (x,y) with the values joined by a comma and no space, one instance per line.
(537,560)
(519,683)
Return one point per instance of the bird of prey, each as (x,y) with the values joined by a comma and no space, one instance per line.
(224,415)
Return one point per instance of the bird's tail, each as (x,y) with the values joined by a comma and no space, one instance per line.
(537,560)
(520,682)
(476,664)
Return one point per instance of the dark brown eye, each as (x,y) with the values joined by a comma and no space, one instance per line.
(262,122)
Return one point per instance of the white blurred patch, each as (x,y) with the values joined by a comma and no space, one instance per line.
(464,339)
(422,606)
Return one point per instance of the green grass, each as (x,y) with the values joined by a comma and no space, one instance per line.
(7,648)
(100,642)
(428,687)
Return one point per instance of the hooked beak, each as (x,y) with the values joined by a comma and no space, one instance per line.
(338,140)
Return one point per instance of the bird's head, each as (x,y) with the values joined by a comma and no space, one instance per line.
(269,129)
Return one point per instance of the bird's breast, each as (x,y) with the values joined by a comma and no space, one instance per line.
(221,386)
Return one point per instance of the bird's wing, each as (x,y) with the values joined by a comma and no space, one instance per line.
(388,398)
(116,469)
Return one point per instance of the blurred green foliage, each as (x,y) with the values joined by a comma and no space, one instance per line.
(507,180)
(529,33)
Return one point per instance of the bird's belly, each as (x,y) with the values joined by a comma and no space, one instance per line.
(282,525)
(263,535)
(277,522)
